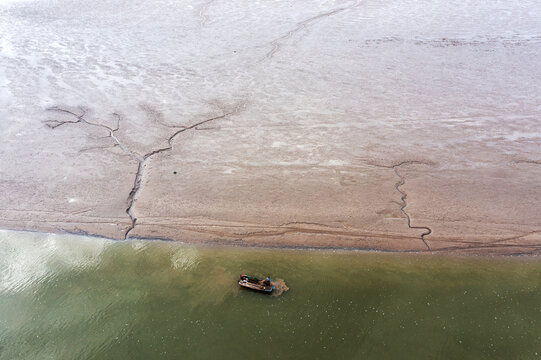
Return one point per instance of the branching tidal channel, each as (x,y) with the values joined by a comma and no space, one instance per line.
(141,159)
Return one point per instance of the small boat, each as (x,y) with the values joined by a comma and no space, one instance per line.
(251,282)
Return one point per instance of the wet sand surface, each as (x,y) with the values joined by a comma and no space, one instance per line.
(400,126)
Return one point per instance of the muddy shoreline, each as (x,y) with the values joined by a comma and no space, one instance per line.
(486,251)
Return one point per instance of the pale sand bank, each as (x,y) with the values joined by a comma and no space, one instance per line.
(366,125)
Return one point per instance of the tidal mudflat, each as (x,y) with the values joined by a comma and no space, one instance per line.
(391,125)
(74,297)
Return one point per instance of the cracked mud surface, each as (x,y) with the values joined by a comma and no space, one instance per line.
(399,126)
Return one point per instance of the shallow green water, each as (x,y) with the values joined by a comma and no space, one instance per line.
(67,297)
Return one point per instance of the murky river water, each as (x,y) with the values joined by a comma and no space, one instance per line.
(69,297)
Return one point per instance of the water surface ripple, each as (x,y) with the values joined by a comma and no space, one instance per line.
(71,297)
